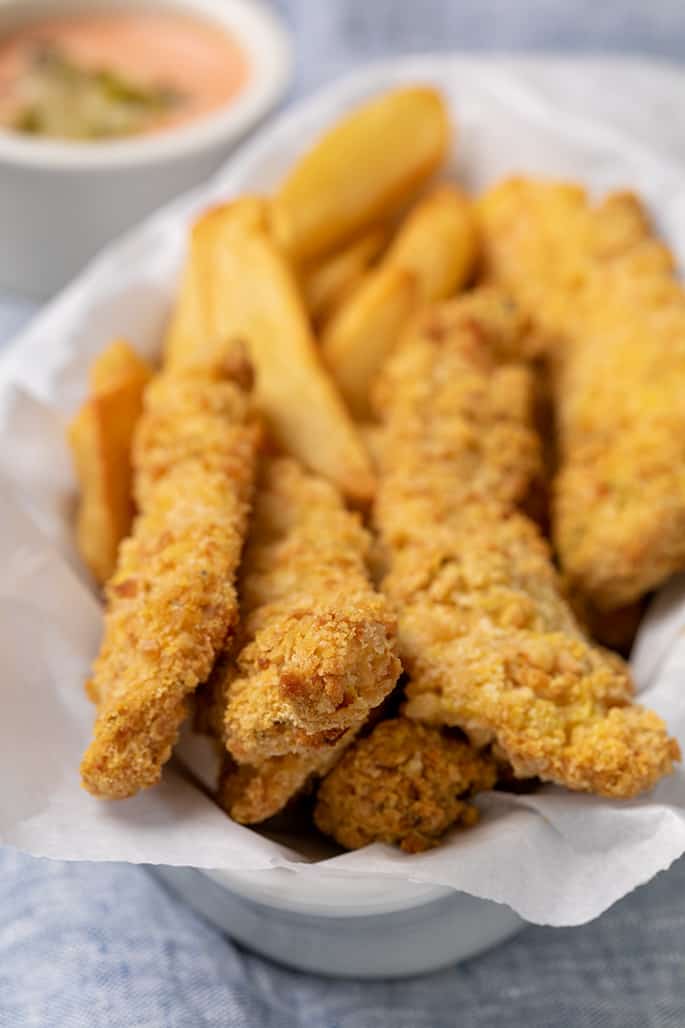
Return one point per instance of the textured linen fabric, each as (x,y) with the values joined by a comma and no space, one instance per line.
(85,946)
(98,946)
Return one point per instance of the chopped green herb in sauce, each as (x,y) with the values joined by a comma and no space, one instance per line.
(62,100)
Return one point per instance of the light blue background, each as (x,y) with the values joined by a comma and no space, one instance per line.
(84,946)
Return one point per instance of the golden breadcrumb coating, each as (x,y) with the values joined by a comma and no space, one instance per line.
(317,642)
(543,241)
(457,415)
(485,633)
(172,598)
(493,648)
(603,294)
(251,793)
(404,784)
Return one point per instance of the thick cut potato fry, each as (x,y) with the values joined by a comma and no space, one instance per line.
(363,332)
(188,324)
(438,242)
(193,337)
(100,438)
(246,290)
(326,284)
(432,256)
(366,167)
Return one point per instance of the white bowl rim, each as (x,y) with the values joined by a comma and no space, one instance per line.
(331,894)
(257,28)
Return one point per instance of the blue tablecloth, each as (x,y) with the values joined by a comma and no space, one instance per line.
(88,946)
(84,946)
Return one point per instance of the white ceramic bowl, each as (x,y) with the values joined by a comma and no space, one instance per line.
(60,202)
(346,927)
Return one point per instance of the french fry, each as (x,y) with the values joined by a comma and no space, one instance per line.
(326,284)
(365,168)
(188,324)
(248,291)
(432,256)
(359,337)
(192,334)
(100,438)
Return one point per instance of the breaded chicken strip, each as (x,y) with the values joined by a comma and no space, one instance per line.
(172,599)
(543,240)
(404,784)
(493,648)
(251,793)
(484,631)
(457,413)
(317,647)
(602,291)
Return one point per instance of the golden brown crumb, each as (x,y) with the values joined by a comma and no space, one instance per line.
(251,793)
(317,646)
(494,649)
(457,416)
(484,630)
(602,292)
(172,598)
(405,784)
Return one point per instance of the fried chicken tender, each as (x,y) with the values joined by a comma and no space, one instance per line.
(172,599)
(603,294)
(251,793)
(404,784)
(485,633)
(457,417)
(317,645)
(543,241)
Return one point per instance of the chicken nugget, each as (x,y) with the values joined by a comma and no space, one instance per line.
(405,784)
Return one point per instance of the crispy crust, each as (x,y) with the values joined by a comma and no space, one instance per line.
(484,630)
(494,649)
(251,793)
(457,413)
(317,645)
(405,784)
(172,598)
(604,297)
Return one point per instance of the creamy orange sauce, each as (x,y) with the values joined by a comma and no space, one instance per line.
(198,61)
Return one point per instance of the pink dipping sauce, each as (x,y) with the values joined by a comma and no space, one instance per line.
(198,60)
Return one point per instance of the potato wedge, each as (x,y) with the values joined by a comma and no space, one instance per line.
(326,284)
(432,256)
(251,293)
(188,324)
(366,167)
(100,438)
(438,242)
(192,332)
(358,339)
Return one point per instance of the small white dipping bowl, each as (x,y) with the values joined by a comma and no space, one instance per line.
(345,926)
(60,202)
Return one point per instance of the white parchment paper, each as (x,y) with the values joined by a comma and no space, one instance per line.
(555,857)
